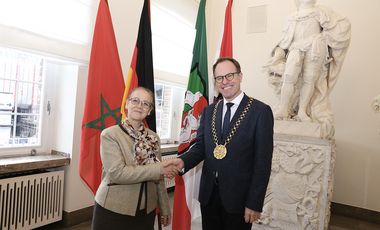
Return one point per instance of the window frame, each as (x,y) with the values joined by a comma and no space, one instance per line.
(13,148)
(176,110)
(48,123)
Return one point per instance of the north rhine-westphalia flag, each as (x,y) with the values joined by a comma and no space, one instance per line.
(186,205)
(226,47)
(105,87)
(141,69)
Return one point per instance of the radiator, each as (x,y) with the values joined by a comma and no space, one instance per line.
(31,201)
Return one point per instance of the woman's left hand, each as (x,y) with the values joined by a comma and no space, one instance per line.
(165,220)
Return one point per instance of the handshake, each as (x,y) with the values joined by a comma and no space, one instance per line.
(171,168)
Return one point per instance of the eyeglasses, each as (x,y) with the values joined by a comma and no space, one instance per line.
(229,77)
(144,104)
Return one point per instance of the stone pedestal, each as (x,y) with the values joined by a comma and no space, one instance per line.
(300,187)
(295,128)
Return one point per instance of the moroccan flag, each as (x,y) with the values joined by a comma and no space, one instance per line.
(186,205)
(105,87)
(226,46)
(140,72)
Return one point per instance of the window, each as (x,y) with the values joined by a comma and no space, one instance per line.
(172,41)
(168,107)
(163,110)
(21,84)
(173,37)
(30,84)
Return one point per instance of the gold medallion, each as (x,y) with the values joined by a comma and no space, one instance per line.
(220,152)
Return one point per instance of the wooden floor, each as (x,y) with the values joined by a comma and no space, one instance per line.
(336,223)
(342,223)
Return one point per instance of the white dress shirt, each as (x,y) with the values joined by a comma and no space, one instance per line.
(236,102)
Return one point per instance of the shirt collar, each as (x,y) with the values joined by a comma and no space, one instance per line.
(236,100)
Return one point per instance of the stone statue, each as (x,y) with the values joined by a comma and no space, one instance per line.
(305,64)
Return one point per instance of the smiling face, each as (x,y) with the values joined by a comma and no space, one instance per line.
(139,105)
(228,88)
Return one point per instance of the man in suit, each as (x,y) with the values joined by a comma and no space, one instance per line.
(235,141)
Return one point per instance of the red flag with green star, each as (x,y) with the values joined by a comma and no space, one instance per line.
(196,99)
(105,88)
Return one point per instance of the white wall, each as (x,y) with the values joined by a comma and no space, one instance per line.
(66,93)
(357,126)
(61,93)
(77,194)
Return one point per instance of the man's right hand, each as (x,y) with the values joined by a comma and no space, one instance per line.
(170,168)
(178,162)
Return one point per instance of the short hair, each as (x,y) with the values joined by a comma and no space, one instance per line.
(146,90)
(223,59)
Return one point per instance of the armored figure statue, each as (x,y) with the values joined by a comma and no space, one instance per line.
(305,63)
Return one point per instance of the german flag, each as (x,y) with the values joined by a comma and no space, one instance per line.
(140,72)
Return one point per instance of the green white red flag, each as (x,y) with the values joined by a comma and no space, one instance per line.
(226,48)
(196,99)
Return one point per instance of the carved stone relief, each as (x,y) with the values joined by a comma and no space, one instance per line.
(300,187)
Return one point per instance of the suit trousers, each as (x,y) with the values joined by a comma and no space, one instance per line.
(215,217)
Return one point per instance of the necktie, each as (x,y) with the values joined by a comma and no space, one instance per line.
(226,121)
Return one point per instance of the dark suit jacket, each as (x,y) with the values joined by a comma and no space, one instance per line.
(243,174)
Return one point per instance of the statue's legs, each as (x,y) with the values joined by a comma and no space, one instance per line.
(311,71)
(292,71)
